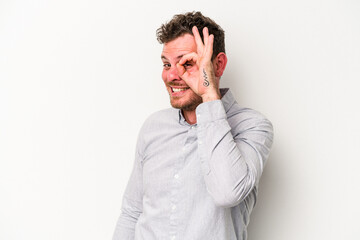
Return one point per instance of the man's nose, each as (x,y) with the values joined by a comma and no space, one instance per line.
(173,74)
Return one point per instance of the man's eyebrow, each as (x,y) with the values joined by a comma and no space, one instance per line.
(165,58)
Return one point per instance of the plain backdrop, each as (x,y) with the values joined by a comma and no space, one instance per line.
(79,77)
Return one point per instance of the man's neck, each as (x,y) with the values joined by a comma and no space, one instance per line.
(190,116)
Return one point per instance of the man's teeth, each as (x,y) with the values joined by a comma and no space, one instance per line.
(178,89)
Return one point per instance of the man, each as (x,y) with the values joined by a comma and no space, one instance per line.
(198,164)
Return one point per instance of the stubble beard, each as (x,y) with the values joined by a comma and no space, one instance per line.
(189,105)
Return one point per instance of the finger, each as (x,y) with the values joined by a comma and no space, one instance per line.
(209,47)
(187,58)
(190,57)
(182,72)
(199,42)
(206,35)
(181,69)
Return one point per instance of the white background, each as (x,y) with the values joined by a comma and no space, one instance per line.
(78,78)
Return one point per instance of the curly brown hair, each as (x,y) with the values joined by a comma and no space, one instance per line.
(181,24)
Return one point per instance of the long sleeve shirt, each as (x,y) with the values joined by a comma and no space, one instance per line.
(196,182)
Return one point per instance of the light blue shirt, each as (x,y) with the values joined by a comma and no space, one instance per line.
(196,182)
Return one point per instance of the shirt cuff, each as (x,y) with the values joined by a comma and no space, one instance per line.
(210,111)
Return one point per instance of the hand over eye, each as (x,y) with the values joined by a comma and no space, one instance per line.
(202,78)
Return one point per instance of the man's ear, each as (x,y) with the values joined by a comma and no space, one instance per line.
(219,64)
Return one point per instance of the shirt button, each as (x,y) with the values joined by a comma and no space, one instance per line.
(198,115)
(173,207)
(200,142)
(176,176)
(173,238)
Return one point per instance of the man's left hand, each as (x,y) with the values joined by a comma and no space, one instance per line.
(201,79)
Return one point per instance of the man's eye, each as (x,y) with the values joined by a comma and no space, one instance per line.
(187,65)
(166,65)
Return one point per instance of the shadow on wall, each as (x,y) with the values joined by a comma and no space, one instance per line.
(270,200)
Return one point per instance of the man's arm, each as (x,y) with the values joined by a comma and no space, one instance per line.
(131,204)
(233,157)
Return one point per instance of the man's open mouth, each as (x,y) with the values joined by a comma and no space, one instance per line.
(175,90)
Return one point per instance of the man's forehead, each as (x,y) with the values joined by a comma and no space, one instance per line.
(179,46)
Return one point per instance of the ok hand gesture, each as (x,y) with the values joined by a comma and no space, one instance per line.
(201,80)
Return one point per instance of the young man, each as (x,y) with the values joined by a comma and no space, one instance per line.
(198,164)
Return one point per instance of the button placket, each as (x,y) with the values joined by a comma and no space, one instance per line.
(174,220)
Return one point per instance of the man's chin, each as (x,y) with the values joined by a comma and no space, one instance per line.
(185,108)
(190,106)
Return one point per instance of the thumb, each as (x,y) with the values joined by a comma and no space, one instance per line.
(182,71)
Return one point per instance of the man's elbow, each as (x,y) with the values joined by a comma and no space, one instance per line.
(226,202)
(233,197)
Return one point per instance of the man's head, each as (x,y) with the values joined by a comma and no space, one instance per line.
(183,23)
(178,39)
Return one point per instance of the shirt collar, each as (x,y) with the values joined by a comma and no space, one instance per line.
(226,98)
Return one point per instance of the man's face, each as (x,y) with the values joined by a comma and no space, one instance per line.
(181,96)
